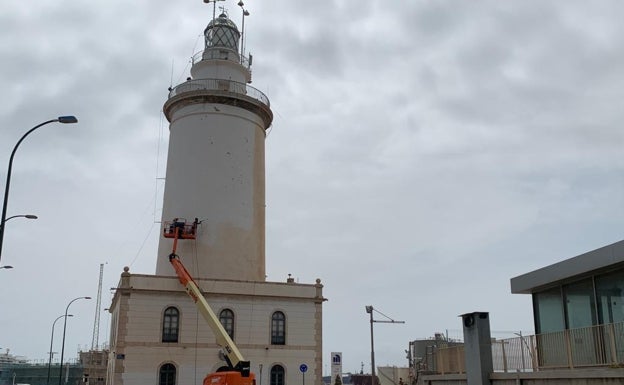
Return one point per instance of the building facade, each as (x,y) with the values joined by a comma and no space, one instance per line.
(160,338)
(215,196)
(578,308)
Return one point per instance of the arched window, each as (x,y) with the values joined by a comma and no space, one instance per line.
(227,320)
(278,328)
(277,375)
(167,375)
(171,322)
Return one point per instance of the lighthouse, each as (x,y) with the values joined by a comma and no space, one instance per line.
(215,166)
(214,218)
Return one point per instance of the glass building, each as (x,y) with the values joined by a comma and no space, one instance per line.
(578,308)
(583,291)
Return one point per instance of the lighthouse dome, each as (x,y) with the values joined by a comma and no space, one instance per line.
(222,32)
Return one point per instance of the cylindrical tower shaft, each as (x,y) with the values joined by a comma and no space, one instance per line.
(215,165)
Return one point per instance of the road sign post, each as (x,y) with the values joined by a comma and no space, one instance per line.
(303,368)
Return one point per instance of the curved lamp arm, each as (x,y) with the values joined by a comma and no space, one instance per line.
(60,119)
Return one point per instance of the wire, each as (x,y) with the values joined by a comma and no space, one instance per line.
(377,311)
(188,62)
(196,254)
(195,46)
(160,139)
(196,341)
(142,244)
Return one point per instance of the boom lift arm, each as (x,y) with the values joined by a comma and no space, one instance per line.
(238,371)
(232,355)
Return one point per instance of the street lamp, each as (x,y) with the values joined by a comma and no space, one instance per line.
(369,310)
(52,339)
(260,366)
(27,216)
(60,119)
(64,330)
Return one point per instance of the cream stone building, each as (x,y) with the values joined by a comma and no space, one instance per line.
(215,179)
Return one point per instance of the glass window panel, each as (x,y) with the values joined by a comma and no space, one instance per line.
(167,375)
(580,305)
(549,311)
(610,295)
(227,320)
(170,325)
(277,375)
(278,328)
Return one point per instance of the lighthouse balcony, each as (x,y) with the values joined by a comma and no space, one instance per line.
(222,53)
(221,91)
(219,86)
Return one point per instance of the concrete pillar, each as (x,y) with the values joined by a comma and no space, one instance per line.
(477,348)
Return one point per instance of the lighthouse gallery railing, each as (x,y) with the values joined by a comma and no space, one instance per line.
(220,85)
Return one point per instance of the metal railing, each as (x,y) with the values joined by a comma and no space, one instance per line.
(221,54)
(601,345)
(514,354)
(594,346)
(220,85)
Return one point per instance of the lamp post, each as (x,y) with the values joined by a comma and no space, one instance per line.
(245,13)
(52,339)
(27,216)
(369,310)
(64,330)
(260,373)
(60,119)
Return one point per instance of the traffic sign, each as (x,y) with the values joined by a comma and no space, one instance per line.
(303,368)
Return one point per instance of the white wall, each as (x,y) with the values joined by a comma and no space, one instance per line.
(139,309)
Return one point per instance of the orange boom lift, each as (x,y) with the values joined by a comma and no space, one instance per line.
(237,371)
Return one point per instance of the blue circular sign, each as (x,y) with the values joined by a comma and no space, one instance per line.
(303,368)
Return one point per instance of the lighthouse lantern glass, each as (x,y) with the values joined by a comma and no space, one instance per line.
(222,32)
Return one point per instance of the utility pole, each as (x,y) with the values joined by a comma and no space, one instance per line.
(370,310)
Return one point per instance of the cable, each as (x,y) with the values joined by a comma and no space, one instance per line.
(142,244)
(196,342)
(189,62)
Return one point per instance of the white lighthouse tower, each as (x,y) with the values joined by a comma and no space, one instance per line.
(215,165)
(215,173)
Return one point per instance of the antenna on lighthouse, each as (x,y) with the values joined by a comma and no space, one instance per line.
(242,43)
(214,7)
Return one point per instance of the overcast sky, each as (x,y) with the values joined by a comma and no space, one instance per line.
(422,154)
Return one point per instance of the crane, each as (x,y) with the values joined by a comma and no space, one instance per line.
(96,322)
